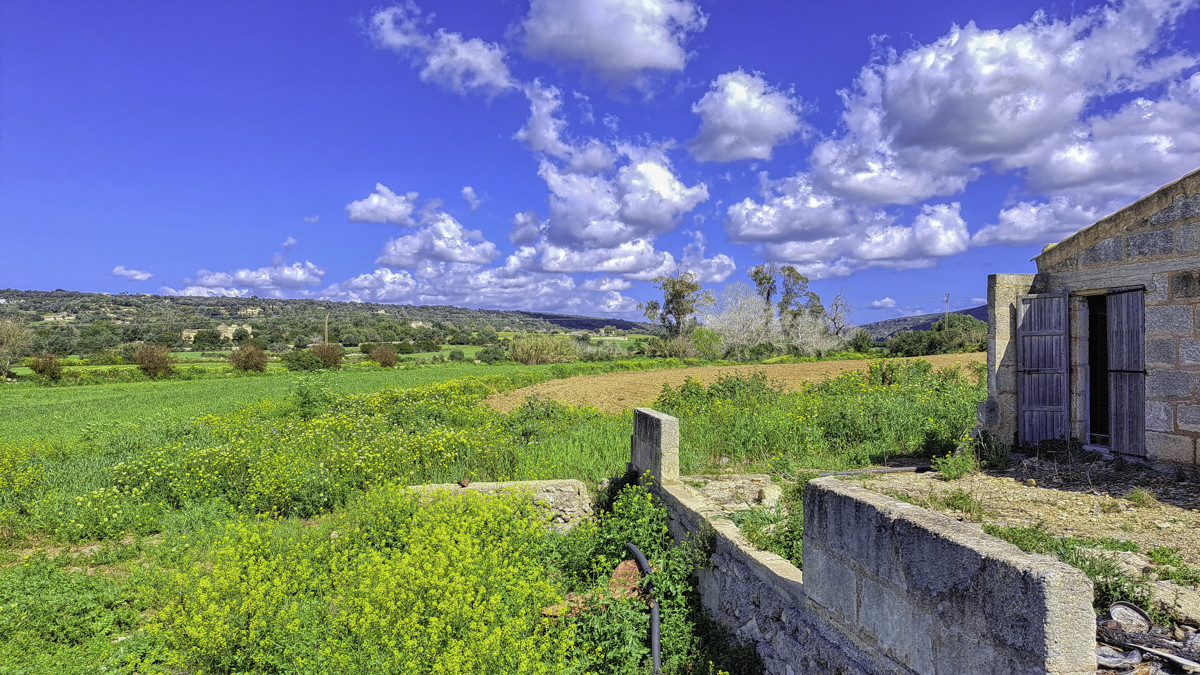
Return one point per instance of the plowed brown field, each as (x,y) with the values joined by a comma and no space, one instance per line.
(615,392)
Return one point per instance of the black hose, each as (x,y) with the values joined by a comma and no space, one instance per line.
(644,568)
(894,469)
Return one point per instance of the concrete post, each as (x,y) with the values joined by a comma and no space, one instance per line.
(654,446)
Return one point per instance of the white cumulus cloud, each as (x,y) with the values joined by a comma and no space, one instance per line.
(883,303)
(132,275)
(621,41)
(383,206)
(441,238)
(469,196)
(447,59)
(743,117)
(276,277)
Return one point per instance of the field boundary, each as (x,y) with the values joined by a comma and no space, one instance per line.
(888,587)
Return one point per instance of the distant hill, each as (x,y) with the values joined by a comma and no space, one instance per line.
(62,307)
(882,330)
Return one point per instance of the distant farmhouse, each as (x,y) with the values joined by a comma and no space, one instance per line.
(1103,343)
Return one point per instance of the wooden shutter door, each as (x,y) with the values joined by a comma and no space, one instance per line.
(1127,372)
(1042,368)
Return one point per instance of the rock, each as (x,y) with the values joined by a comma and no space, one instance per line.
(1031,482)
(1182,601)
(769,496)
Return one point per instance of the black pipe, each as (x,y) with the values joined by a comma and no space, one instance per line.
(644,568)
(893,469)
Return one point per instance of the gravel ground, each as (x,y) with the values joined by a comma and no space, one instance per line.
(1083,499)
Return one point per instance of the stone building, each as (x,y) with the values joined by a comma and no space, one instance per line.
(1102,344)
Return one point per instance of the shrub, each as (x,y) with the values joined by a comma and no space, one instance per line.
(532,350)
(47,366)
(154,360)
(248,357)
(444,584)
(384,356)
(427,346)
(106,357)
(490,355)
(300,360)
(330,354)
(861,341)
(368,347)
(456,355)
(956,464)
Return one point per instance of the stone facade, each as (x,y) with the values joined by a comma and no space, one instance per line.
(887,587)
(1152,245)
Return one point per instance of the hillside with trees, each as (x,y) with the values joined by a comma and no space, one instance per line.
(67,322)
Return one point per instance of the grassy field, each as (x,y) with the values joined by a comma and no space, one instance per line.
(212,524)
(56,415)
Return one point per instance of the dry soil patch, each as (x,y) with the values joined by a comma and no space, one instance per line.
(617,392)
(1083,500)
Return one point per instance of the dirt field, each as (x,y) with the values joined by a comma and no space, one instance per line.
(615,392)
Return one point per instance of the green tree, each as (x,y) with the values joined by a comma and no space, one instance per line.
(206,339)
(240,334)
(16,338)
(682,297)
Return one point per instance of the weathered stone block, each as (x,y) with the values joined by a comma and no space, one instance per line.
(1185,284)
(831,585)
(1106,251)
(1170,384)
(1189,238)
(1161,351)
(1172,319)
(1181,208)
(892,619)
(1170,447)
(1155,242)
(1189,417)
(655,444)
(1159,416)
(1156,289)
(1189,351)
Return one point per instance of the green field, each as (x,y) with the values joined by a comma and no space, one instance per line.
(260,523)
(56,415)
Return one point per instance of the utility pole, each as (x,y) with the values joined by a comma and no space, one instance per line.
(327,321)
(946,320)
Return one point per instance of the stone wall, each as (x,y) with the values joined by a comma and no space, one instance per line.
(887,588)
(1154,243)
(566,502)
(998,414)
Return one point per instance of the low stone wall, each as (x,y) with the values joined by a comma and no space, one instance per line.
(566,501)
(888,587)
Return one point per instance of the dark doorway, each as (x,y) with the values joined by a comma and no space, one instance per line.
(1098,431)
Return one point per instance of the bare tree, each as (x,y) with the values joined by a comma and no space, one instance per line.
(839,314)
(742,318)
(16,339)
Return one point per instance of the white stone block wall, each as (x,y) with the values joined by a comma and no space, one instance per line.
(887,587)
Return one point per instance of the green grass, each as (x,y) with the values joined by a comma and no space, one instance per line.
(281,461)
(56,415)
(1110,583)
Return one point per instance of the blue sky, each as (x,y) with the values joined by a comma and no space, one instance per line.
(557,155)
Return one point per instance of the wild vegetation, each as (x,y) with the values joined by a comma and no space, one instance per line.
(239,503)
(304,487)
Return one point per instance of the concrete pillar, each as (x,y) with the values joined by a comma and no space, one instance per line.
(655,445)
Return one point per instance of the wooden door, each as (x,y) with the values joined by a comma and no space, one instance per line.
(1043,411)
(1127,372)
